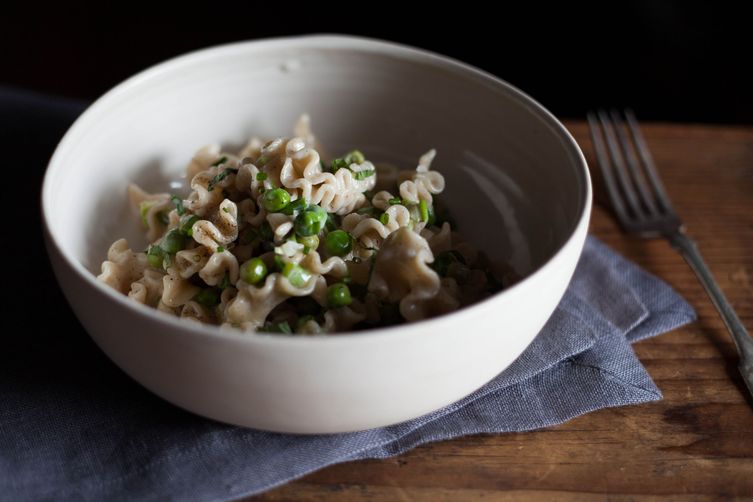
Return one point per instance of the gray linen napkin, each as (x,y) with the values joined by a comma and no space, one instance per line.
(73,427)
(93,442)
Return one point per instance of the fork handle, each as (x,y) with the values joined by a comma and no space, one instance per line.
(689,250)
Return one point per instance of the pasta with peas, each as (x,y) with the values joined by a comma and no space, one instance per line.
(275,239)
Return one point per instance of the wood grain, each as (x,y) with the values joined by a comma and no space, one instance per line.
(696,443)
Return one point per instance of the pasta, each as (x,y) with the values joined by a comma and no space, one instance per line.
(275,239)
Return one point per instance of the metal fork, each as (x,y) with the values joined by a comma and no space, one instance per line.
(643,208)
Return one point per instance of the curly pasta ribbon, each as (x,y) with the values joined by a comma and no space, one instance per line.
(401,273)
(123,267)
(221,230)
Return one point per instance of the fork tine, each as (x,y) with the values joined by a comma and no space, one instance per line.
(648,162)
(634,166)
(606,167)
(626,184)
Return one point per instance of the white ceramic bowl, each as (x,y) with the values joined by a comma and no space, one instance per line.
(517,184)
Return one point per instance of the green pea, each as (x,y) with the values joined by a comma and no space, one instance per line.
(275,200)
(320,214)
(144,207)
(338,295)
(209,297)
(186,224)
(173,241)
(155,256)
(354,157)
(310,222)
(297,275)
(310,242)
(254,271)
(338,243)
(294,207)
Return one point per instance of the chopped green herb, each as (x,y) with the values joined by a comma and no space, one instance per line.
(225,210)
(261,176)
(225,282)
(219,177)
(219,161)
(261,161)
(338,164)
(186,224)
(248,236)
(395,201)
(459,272)
(331,223)
(370,210)
(178,205)
(265,232)
(423,209)
(354,157)
(384,218)
(444,260)
(209,297)
(220,249)
(281,327)
(279,263)
(362,175)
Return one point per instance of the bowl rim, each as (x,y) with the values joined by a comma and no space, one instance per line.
(317,41)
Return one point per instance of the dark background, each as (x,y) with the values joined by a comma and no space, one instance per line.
(669,60)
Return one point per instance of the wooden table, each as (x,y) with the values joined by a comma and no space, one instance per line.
(697,441)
